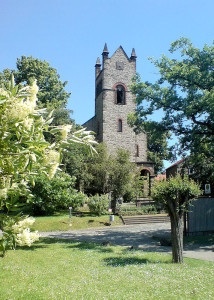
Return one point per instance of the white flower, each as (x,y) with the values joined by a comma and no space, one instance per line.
(3,193)
(26,237)
(65,130)
(33,99)
(28,122)
(34,88)
(52,157)
(23,224)
(52,162)
(23,234)
(20,110)
(3,92)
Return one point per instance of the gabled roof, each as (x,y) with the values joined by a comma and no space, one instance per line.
(123,52)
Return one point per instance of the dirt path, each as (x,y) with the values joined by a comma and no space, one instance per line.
(135,235)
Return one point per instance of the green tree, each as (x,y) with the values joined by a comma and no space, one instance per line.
(175,194)
(98,168)
(51,95)
(51,88)
(157,137)
(74,163)
(184,95)
(110,173)
(121,176)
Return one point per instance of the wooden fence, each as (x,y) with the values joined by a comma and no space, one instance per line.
(200,217)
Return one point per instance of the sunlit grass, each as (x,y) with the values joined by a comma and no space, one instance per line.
(59,269)
(62,222)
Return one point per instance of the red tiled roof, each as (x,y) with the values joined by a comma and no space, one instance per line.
(175,164)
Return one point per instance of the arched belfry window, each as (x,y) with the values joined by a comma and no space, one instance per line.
(120,125)
(120,94)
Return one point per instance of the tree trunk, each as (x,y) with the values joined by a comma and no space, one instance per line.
(177,237)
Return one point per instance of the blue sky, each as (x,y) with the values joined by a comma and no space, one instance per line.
(71,35)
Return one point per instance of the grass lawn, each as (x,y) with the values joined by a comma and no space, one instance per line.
(62,222)
(61,269)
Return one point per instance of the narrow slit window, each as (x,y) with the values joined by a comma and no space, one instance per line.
(120,125)
(137,151)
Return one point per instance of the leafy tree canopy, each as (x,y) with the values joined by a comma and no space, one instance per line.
(111,173)
(175,194)
(184,95)
(52,93)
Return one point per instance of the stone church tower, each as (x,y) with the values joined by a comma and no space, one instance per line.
(113,102)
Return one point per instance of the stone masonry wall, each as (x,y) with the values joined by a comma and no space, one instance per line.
(112,112)
(108,113)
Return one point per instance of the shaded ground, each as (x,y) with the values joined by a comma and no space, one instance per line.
(139,236)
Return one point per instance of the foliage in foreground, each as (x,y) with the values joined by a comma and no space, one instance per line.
(60,269)
(175,194)
(24,152)
(16,231)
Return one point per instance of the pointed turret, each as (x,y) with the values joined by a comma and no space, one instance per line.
(133,55)
(97,67)
(105,54)
(98,63)
(105,50)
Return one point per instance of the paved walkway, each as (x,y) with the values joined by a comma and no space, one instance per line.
(135,235)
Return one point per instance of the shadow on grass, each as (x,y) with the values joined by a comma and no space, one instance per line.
(44,242)
(90,246)
(126,261)
(35,246)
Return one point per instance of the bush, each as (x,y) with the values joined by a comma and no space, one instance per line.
(55,194)
(77,200)
(98,204)
(129,196)
(143,210)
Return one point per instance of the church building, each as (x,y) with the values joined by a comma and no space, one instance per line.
(113,102)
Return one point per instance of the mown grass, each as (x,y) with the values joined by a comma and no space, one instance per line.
(61,269)
(78,221)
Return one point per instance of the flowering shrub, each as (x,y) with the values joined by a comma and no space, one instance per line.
(23,235)
(16,231)
(24,152)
